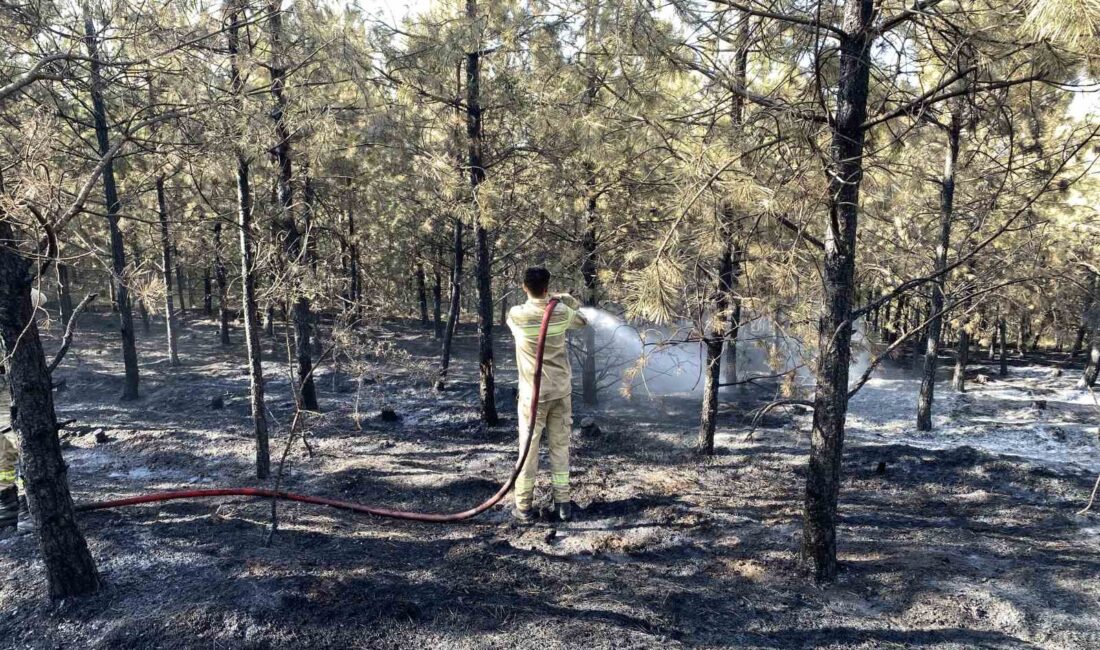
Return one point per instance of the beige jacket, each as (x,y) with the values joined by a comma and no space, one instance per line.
(524,321)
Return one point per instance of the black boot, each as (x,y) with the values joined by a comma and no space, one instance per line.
(25,523)
(9,507)
(565,511)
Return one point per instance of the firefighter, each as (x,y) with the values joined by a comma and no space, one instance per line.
(555,412)
(13,502)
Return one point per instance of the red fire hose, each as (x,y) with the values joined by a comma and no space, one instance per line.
(358,507)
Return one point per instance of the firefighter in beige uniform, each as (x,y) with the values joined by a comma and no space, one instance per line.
(555,412)
(13,498)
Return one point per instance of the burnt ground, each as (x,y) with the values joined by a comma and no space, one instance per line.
(944,548)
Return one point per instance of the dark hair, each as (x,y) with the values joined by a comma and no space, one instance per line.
(537,280)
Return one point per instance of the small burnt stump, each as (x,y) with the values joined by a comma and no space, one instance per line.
(589,427)
(217,402)
(389,415)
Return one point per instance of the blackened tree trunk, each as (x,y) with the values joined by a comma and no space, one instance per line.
(269,321)
(935,325)
(110,191)
(142,309)
(291,236)
(166,261)
(1092,322)
(920,339)
(1092,366)
(484,268)
(248,255)
(713,338)
(733,245)
(962,358)
(1021,333)
(207,291)
(422,293)
(181,280)
(143,314)
(992,351)
(1086,312)
(590,240)
(70,570)
(1002,342)
(734,328)
(835,327)
(65,291)
(222,278)
(721,332)
(454,306)
(355,283)
(309,203)
(589,273)
(437,304)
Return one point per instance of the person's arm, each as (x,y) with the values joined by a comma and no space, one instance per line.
(578,320)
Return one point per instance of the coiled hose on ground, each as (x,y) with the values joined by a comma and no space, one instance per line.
(359,507)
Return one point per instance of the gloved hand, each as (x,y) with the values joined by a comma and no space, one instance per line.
(568,300)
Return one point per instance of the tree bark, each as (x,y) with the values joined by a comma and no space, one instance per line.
(221,276)
(454,307)
(292,237)
(714,337)
(1092,367)
(484,268)
(935,325)
(355,283)
(732,243)
(166,260)
(835,328)
(181,284)
(589,272)
(422,294)
(437,304)
(120,289)
(962,358)
(248,271)
(921,339)
(1086,314)
(1021,334)
(269,321)
(70,570)
(1002,341)
(590,240)
(143,314)
(64,291)
(207,291)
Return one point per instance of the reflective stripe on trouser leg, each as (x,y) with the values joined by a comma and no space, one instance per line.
(9,455)
(525,482)
(559,424)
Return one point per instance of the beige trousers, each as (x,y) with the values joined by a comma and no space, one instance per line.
(555,417)
(9,456)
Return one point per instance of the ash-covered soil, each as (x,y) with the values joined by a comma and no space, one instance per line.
(952,547)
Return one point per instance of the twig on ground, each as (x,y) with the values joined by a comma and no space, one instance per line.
(279,478)
(1092,498)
